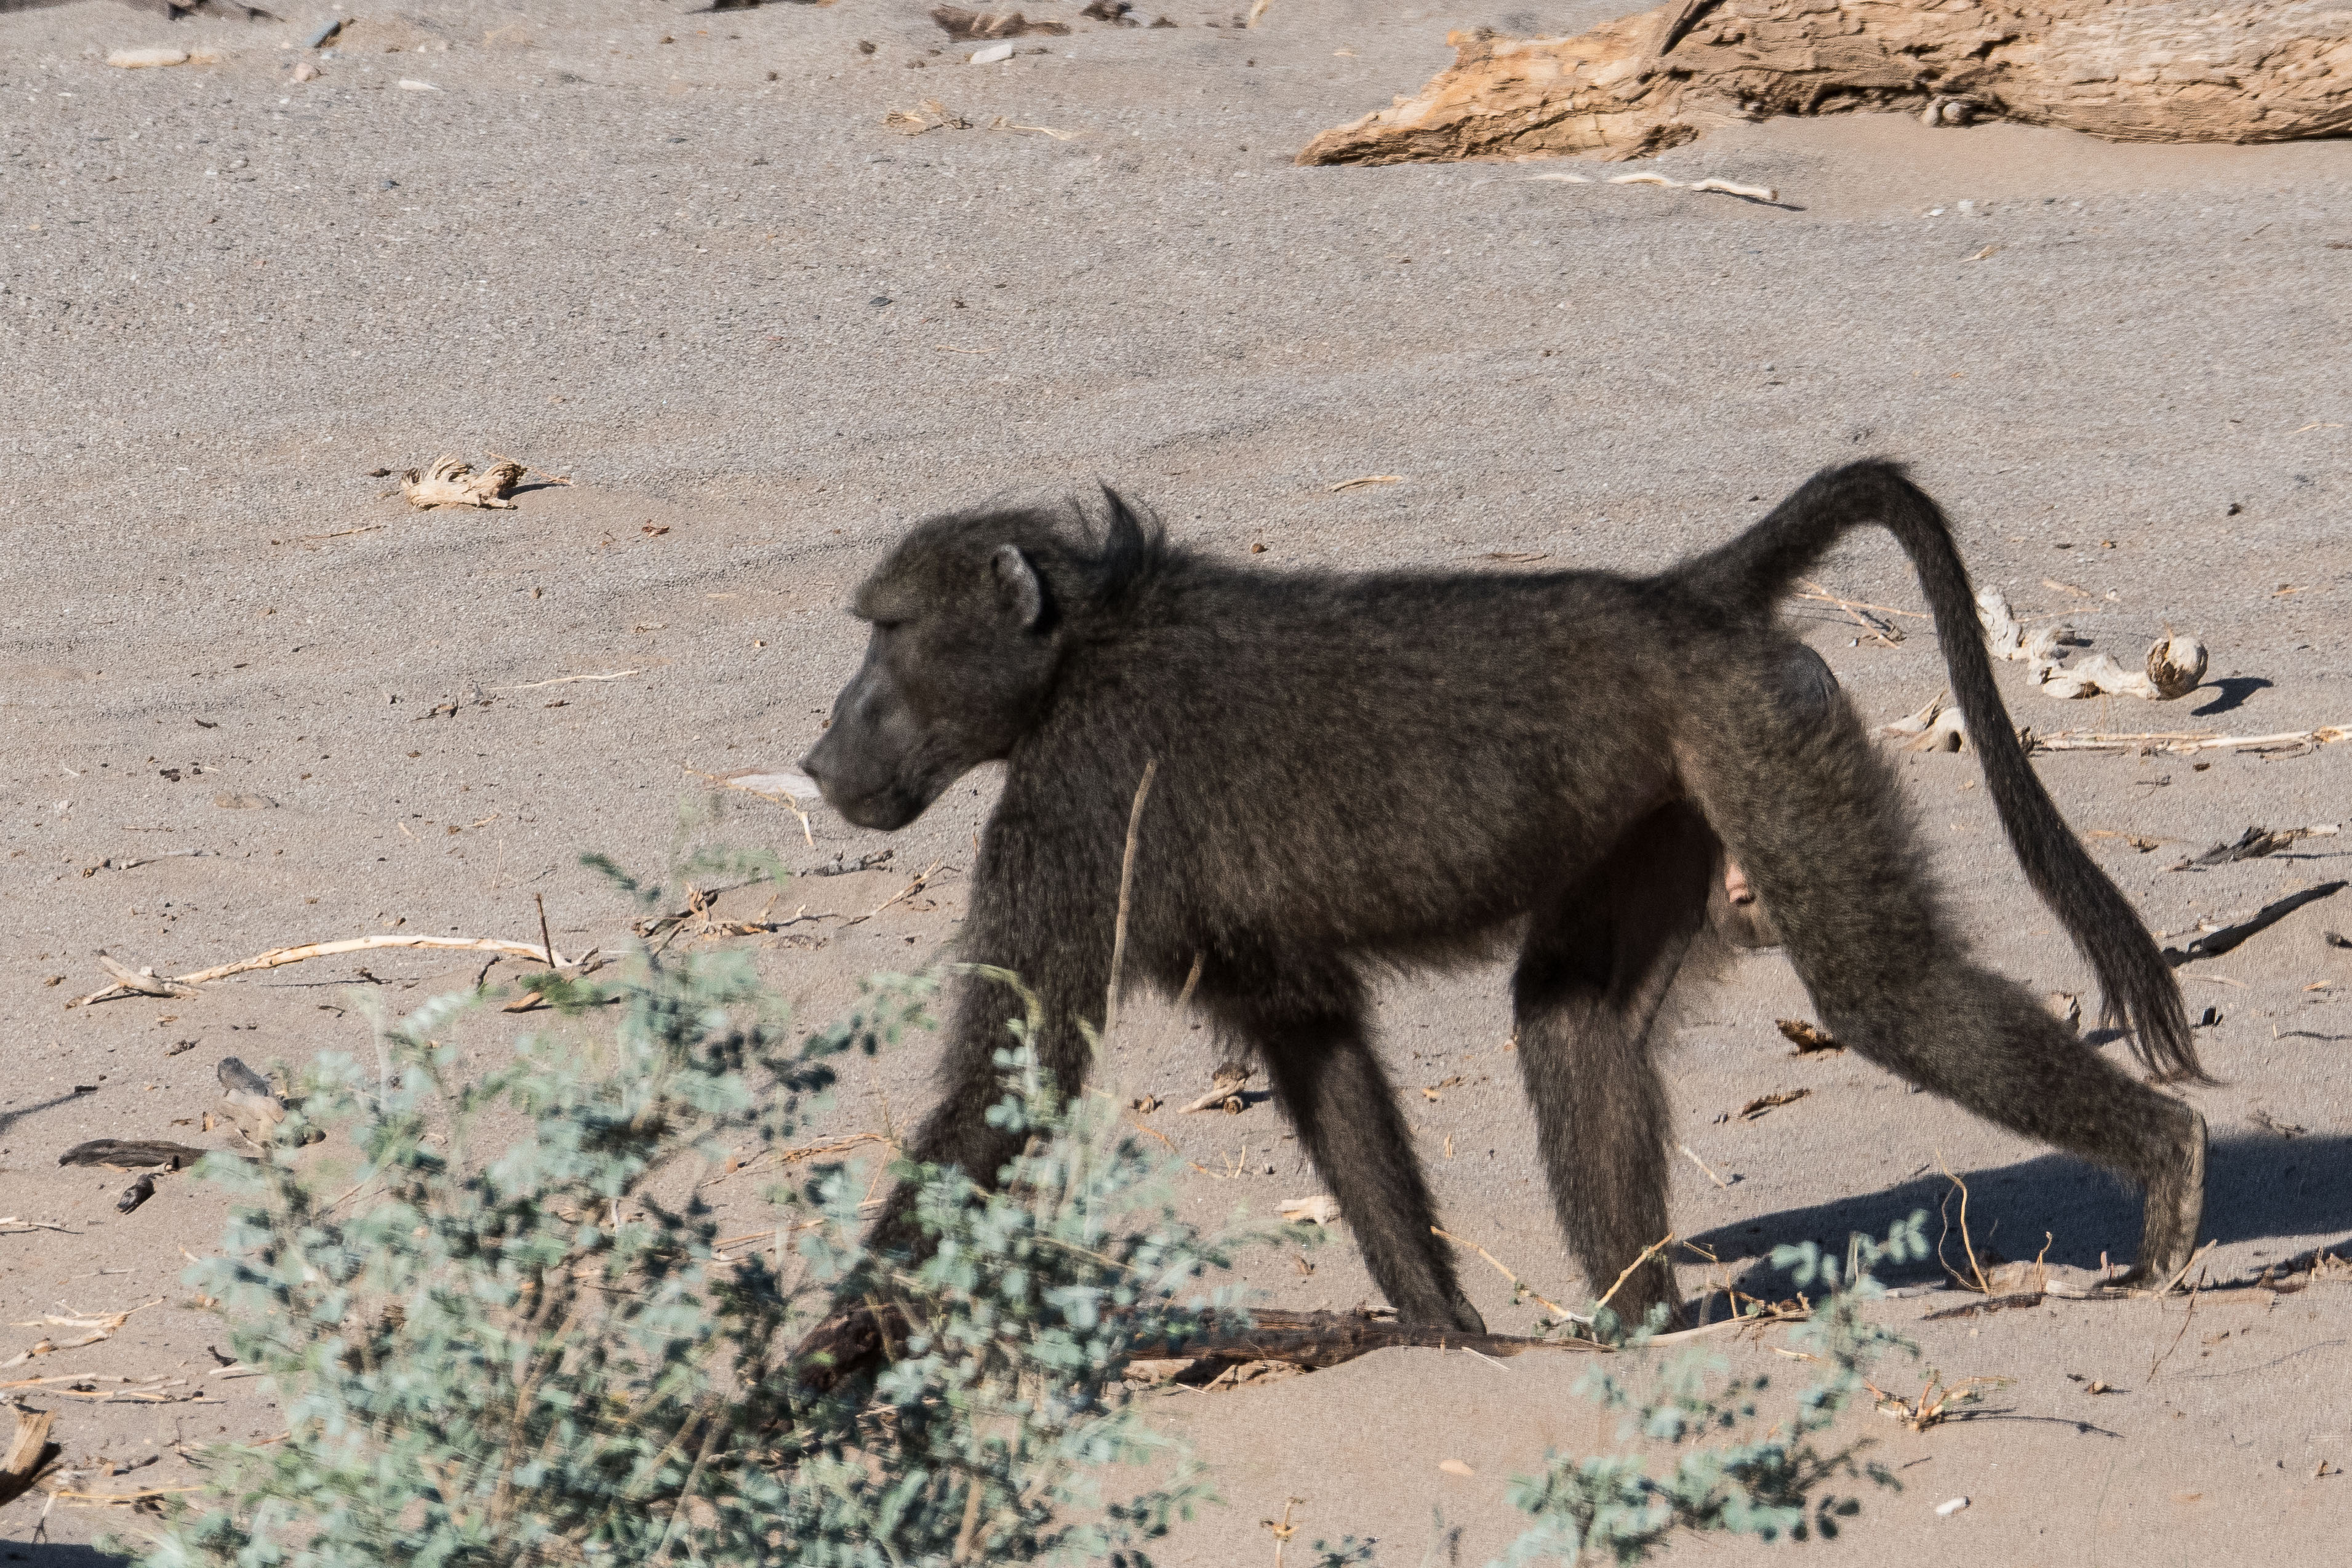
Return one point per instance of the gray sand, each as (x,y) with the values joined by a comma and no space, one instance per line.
(659,268)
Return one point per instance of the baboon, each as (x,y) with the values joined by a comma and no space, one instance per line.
(1363,772)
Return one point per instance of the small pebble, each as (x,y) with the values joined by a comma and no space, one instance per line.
(1945,1510)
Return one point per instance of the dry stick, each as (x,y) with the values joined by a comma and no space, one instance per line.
(1703,1165)
(545,941)
(1647,1253)
(2186,1318)
(915,885)
(2186,740)
(1828,597)
(2182,1271)
(1968,1245)
(526,468)
(1852,612)
(1126,888)
(276,957)
(568,679)
(1142,1127)
(1506,1274)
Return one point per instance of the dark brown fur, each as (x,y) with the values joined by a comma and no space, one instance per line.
(1358,772)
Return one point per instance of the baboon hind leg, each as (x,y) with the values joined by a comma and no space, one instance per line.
(1595,970)
(1818,820)
(1344,1110)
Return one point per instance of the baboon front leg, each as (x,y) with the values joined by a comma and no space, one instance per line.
(1591,980)
(1344,1110)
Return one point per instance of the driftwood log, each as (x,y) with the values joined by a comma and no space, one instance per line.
(2128,70)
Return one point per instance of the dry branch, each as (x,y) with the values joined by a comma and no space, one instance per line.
(2183,743)
(2128,70)
(131,1154)
(2213,944)
(137,984)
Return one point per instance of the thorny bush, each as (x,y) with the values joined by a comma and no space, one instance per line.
(507,1338)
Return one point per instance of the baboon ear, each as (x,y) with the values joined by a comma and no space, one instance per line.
(1017,586)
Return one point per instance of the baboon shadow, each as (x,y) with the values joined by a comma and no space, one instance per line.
(2255,1186)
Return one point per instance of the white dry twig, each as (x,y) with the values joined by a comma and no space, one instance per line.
(1755,193)
(279,956)
(2183,743)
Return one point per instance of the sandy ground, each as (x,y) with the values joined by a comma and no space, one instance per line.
(677,257)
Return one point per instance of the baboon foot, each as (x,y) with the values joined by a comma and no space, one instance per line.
(2175,1207)
(1465,1316)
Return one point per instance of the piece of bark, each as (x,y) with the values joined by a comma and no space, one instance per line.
(131,1153)
(2128,70)
(28,1450)
(1807,1038)
(451,481)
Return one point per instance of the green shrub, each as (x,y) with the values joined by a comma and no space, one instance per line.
(1733,1474)
(504,1339)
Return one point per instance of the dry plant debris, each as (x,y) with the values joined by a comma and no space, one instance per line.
(2183,743)
(1935,1400)
(932,115)
(965,25)
(151,59)
(2213,944)
(2166,70)
(29,1449)
(1317,1210)
(2257,842)
(2174,667)
(1807,1038)
(452,481)
(1228,1092)
(1762,1103)
(97,1326)
(1930,728)
(144,981)
(786,787)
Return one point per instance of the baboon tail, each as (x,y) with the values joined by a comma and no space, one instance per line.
(1750,574)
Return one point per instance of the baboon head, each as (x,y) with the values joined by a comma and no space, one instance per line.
(972,617)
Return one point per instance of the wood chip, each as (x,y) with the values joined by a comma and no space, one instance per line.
(1807,1038)
(452,481)
(1756,1108)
